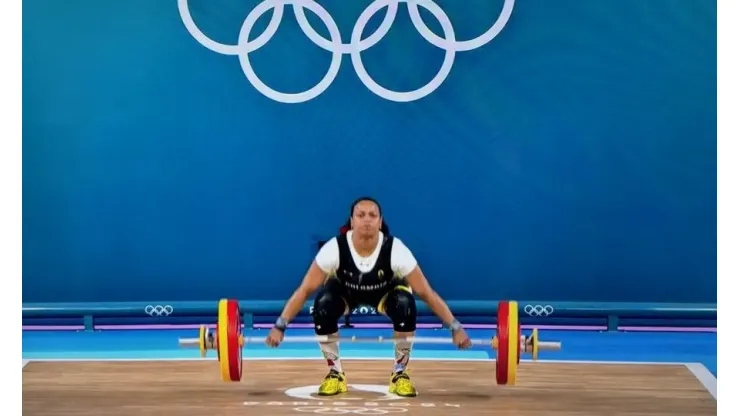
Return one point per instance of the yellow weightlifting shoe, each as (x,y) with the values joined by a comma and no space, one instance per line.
(334,383)
(402,385)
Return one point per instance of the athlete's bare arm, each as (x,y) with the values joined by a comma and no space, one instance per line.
(421,288)
(311,283)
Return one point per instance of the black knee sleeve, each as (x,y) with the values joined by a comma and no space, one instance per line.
(328,307)
(400,307)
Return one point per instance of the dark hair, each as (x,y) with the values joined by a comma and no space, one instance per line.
(348,225)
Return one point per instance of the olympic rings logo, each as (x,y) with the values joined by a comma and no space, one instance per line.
(338,48)
(158,310)
(342,410)
(539,310)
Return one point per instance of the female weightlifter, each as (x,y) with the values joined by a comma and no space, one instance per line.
(366,266)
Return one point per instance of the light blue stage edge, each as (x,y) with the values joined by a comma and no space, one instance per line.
(610,315)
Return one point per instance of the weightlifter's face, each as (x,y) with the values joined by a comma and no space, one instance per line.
(366,219)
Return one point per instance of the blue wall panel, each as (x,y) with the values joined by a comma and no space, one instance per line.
(572,157)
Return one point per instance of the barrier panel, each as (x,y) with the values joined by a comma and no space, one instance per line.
(531,312)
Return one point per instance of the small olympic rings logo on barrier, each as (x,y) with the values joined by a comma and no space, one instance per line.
(158,310)
(539,310)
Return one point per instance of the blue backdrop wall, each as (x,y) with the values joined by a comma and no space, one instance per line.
(571,157)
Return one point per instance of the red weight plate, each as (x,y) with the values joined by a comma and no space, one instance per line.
(502,352)
(514,343)
(234,335)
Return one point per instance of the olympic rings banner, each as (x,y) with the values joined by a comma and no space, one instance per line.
(189,150)
(338,48)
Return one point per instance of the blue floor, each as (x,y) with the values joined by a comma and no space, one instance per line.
(577,346)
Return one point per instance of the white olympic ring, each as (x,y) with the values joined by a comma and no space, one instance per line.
(342,410)
(354,48)
(158,310)
(539,310)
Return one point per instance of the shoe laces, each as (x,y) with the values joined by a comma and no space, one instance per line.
(333,374)
(402,376)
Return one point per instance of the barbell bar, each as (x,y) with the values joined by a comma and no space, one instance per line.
(228,341)
(527,343)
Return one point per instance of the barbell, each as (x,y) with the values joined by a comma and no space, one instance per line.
(228,341)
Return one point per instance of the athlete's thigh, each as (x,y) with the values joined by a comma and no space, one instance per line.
(399,285)
(335,290)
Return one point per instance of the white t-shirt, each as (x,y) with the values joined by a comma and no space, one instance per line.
(402,260)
